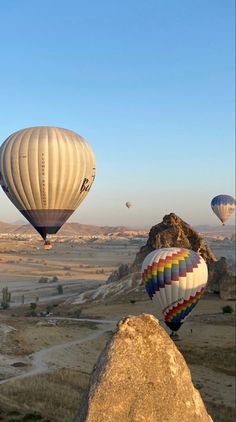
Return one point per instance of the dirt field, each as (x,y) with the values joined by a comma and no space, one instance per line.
(45,362)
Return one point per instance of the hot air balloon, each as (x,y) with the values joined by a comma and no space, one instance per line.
(46,172)
(128,204)
(223,206)
(174,278)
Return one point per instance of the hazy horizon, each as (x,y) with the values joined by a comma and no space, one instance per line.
(138,227)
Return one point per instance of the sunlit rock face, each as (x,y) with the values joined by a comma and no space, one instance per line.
(125,283)
(173,232)
(141,376)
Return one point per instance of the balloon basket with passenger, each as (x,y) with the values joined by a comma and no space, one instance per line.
(47,245)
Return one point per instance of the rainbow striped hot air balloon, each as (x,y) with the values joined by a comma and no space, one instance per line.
(175,278)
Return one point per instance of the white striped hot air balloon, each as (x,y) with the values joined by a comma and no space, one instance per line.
(46,172)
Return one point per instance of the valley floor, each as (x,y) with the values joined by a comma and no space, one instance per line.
(46,361)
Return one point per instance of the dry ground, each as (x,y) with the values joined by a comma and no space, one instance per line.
(45,362)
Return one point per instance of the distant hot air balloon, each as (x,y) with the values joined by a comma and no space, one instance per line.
(175,278)
(223,206)
(46,172)
(128,204)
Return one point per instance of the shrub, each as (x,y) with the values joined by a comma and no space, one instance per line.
(32,417)
(43,280)
(6,298)
(227,309)
(32,311)
(33,306)
(13,413)
(101,271)
(49,308)
(77,313)
(60,289)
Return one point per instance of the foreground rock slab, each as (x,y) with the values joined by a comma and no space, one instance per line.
(141,377)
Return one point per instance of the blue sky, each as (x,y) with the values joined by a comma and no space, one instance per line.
(150,84)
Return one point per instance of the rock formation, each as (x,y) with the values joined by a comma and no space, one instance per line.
(129,288)
(125,284)
(141,376)
(224,281)
(121,272)
(221,280)
(173,232)
(216,273)
(227,287)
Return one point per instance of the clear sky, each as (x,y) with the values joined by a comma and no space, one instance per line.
(150,84)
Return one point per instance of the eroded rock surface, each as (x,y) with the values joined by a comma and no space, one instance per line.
(141,376)
(173,232)
(122,271)
(125,283)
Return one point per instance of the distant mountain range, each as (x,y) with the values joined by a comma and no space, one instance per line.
(77,229)
(69,229)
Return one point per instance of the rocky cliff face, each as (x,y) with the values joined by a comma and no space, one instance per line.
(223,282)
(122,271)
(125,283)
(173,232)
(141,376)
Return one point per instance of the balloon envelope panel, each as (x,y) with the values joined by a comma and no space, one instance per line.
(175,278)
(223,206)
(46,172)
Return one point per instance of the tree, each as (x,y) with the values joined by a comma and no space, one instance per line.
(33,307)
(6,298)
(60,289)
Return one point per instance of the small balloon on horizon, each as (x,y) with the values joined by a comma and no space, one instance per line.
(128,204)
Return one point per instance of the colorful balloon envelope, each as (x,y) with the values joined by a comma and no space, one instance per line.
(46,172)
(223,206)
(175,279)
